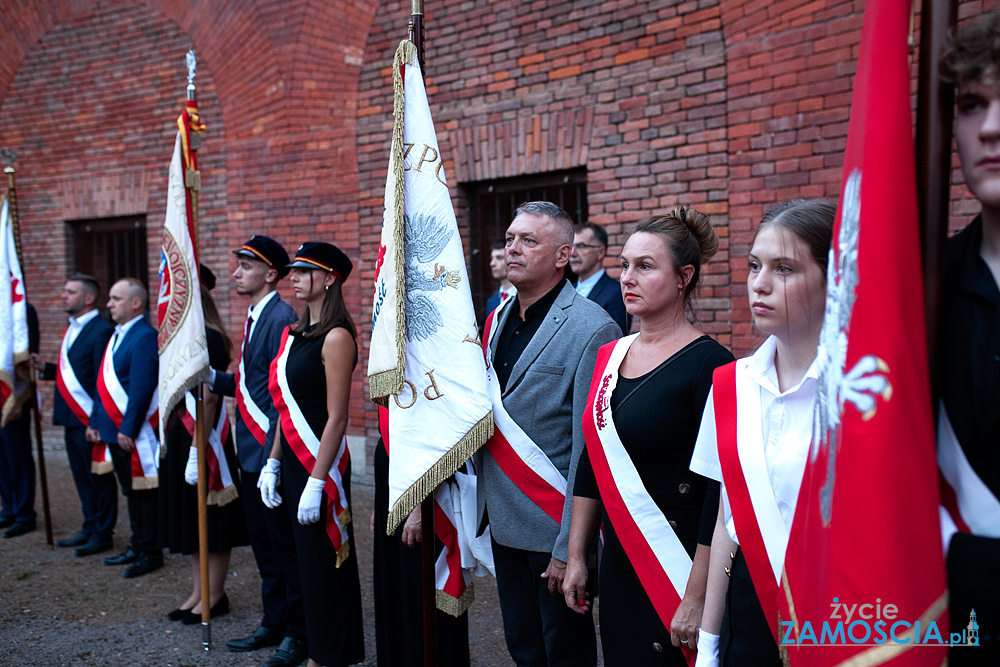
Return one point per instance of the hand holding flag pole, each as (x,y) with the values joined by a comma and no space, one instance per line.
(8,156)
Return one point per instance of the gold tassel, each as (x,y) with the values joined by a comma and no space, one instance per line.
(145,483)
(440,471)
(455,606)
(343,553)
(223,497)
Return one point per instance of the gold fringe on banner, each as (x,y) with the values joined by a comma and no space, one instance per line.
(381,385)
(455,606)
(223,497)
(440,471)
(145,483)
(101,467)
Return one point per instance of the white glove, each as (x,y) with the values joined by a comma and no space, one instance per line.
(191,469)
(309,501)
(708,650)
(268,482)
(210,380)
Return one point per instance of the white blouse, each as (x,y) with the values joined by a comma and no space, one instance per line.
(786,426)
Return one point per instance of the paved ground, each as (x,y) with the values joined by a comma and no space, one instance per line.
(57,609)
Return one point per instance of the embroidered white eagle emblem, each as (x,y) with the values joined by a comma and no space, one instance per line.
(425,238)
(862,384)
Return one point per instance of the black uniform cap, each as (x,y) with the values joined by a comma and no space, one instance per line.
(267,250)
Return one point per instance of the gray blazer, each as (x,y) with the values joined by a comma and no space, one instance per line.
(546,395)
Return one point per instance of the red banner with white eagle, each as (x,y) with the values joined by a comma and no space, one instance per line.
(864,576)
(182,340)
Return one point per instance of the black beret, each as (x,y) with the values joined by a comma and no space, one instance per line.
(206,276)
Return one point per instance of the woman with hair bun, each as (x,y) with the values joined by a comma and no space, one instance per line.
(645,404)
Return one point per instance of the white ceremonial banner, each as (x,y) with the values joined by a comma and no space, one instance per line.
(439,410)
(13,320)
(182,341)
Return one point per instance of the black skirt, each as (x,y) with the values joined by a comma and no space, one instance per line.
(746,639)
(179,501)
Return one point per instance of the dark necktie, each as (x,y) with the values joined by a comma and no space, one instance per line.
(246,333)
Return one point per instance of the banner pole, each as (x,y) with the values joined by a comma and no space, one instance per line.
(33,409)
(192,183)
(935,112)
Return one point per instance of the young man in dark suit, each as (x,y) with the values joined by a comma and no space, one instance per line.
(80,356)
(135,354)
(969,356)
(586,259)
(260,263)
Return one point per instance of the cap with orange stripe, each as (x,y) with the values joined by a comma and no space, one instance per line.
(322,257)
(267,250)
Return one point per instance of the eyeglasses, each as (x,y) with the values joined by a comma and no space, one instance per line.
(581,246)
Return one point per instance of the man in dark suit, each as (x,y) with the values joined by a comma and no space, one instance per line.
(17,466)
(260,263)
(590,246)
(543,349)
(969,353)
(80,357)
(135,356)
(498,269)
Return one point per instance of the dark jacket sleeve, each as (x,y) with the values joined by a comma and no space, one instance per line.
(97,352)
(143,378)
(225,384)
(48,373)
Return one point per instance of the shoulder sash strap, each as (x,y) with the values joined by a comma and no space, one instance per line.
(728,422)
(253,417)
(115,401)
(69,387)
(971,504)
(652,546)
(518,456)
(221,489)
(305,444)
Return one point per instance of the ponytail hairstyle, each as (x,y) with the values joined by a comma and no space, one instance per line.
(689,237)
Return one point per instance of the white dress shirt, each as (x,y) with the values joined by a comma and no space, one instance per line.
(584,287)
(76,325)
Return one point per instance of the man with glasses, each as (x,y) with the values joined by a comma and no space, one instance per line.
(590,246)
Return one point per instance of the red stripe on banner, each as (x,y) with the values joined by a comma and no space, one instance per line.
(751,540)
(100,453)
(527,480)
(106,400)
(248,421)
(75,407)
(655,581)
(446,532)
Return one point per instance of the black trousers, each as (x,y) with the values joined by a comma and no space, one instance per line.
(270,534)
(98,493)
(17,471)
(143,507)
(540,629)
(399,626)
(746,639)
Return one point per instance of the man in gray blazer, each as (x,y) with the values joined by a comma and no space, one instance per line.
(543,351)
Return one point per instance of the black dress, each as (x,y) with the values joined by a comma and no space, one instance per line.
(399,626)
(331,595)
(179,500)
(658,425)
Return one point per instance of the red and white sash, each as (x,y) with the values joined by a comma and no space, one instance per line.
(518,456)
(762,534)
(221,489)
(69,387)
(652,546)
(971,504)
(115,402)
(300,437)
(253,417)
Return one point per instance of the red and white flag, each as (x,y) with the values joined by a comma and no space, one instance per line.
(182,340)
(13,319)
(865,545)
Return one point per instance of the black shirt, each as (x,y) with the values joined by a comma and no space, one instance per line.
(517,333)
(970,352)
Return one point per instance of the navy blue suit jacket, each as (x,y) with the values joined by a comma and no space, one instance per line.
(85,357)
(137,365)
(607,294)
(257,357)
